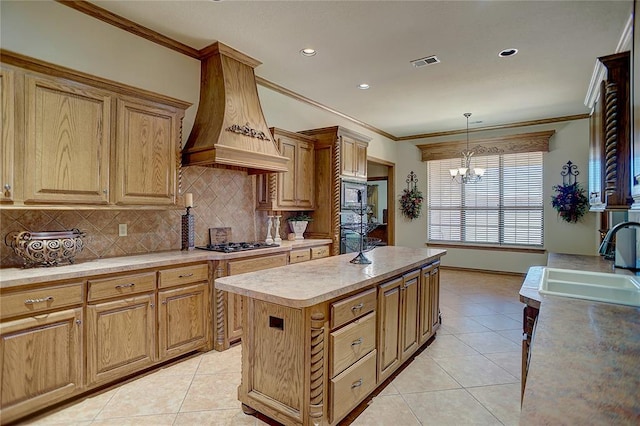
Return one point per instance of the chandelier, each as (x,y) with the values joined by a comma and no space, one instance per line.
(466,174)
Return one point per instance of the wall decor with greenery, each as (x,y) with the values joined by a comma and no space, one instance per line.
(570,199)
(411,198)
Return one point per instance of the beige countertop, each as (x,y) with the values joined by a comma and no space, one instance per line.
(309,283)
(585,356)
(12,277)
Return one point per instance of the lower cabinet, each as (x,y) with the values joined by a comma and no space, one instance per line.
(58,340)
(42,361)
(120,337)
(429,302)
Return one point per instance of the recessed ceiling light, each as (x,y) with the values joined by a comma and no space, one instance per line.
(308,52)
(508,52)
(363,86)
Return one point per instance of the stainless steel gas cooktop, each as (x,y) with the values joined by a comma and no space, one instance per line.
(234,247)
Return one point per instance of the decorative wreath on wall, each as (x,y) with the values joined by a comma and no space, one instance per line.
(411,199)
(570,199)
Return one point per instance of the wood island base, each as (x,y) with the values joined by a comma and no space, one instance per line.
(321,336)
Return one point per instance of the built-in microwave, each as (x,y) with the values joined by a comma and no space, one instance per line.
(352,194)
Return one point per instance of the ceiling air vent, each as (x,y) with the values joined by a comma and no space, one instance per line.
(423,62)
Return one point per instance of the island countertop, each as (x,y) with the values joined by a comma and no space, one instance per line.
(309,283)
(584,356)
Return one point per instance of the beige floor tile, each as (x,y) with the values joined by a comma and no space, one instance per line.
(233,417)
(498,322)
(154,420)
(212,392)
(462,325)
(502,400)
(423,375)
(146,396)
(514,335)
(516,316)
(187,367)
(506,307)
(488,342)
(475,370)
(448,407)
(510,361)
(447,346)
(470,309)
(387,410)
(84,410)
(390,389)
(229,361)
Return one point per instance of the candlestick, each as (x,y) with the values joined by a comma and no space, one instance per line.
(269,240)
(188,199)
(188,230)
(277,238)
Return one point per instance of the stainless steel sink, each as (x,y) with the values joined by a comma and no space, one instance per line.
(598,286)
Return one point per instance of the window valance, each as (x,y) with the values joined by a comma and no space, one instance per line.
(524,142)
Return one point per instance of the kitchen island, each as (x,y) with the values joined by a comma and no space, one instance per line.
(584,360)
(320,336)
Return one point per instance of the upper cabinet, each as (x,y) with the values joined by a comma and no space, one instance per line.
(610,153)
(293,189)
(71,138)
(353,157)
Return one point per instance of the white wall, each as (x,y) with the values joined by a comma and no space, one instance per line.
(570,142)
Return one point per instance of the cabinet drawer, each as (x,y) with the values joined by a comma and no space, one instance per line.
(352,307)
(319,252)
(184,275)
(236,267)
(121,286)
(352,386)
(351,343)
(41,299)
(300,255)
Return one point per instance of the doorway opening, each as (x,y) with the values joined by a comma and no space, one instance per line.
(380,199)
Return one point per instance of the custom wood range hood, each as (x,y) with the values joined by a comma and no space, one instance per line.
(230,128)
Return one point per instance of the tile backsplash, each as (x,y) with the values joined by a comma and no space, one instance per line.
(222,198)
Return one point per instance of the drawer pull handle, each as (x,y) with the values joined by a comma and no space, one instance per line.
(44,299)
(125,285)
(356,384)
(185,276)
(357,307)
(357,342)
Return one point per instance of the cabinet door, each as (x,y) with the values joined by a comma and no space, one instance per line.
(120,338)
(426,330)
(182,320)
(287,180)
(434,298)
(596,156)
(7,134)
(305,177)
(389,300)
(360,163)
(147,154)
(410,314)
(41,361)
(67,143)
(347,156)
(234,317)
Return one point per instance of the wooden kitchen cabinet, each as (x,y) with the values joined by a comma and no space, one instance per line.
(72,138)
(293,189)
(7,134)
(399,308)
(183,310)
(120,337)
(429,302)
(41,348)
(339,153)
(147,153)
(610,143)
(67,142)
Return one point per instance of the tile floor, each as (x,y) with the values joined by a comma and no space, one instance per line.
(468,375)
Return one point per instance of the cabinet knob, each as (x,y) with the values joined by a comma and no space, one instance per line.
(356,384)
(78,322)
(105,191)
(7,187)
(357,342)
(152,305)
(357,307)
(164,302)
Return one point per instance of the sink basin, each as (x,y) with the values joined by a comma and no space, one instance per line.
(598,286)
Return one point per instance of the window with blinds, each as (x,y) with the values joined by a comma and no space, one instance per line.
(505,208)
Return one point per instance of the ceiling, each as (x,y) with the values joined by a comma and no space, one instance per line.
(374,41)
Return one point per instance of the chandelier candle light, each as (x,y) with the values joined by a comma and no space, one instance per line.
(466,174)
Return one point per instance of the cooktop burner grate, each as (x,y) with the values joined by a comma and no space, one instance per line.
(234,247)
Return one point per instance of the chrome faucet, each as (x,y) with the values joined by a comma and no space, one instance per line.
(607,247)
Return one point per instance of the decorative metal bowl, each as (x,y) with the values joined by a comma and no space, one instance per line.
(46,248)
